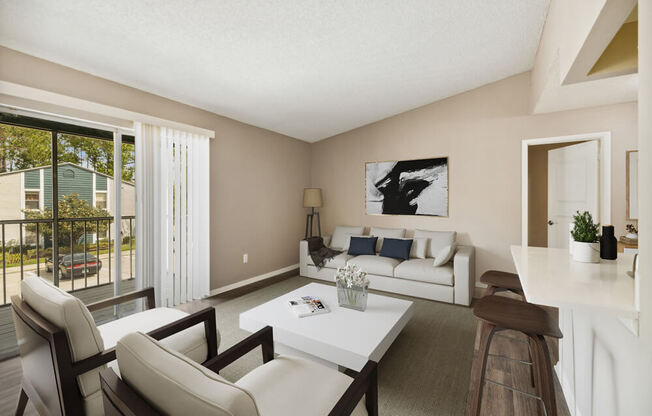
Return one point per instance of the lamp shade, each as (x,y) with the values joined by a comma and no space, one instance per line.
(312,197)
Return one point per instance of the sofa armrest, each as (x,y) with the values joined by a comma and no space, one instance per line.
(303,254)
(464,274)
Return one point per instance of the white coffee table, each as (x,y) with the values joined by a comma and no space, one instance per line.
(343,337)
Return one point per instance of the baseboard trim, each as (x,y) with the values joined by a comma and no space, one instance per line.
(254,279)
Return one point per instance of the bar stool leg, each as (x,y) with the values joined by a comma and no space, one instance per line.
(531,348)
(477,377)
(545,383)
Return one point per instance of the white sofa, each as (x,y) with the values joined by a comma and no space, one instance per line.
(452,282)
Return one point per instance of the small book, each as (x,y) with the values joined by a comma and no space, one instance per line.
(307,306)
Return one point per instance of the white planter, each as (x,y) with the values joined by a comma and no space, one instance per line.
(586,252)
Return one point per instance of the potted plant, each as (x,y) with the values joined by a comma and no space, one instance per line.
(586,246)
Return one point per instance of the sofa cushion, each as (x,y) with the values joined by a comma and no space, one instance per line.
(444,255)
(383,266)
(174,384)
(69,313)
(437,240)
(334,262)
(396,248)
(190,342)
(419,248)
(423,270)
(291,385)
(341,236)
(382,233)
(362,245)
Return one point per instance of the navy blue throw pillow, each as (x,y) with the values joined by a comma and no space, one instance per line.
(396,248)
(361,246)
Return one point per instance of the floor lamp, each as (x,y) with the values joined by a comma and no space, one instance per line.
(312,199)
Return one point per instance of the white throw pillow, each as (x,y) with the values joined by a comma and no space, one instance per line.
(342,236)
(438,240)
(444,255)
(418,249)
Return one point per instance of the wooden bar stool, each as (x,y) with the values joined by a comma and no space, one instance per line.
(498,313)
(498,281)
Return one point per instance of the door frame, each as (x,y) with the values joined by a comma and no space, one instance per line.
(604,139)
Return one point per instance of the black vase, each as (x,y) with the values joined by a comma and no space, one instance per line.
(608,243)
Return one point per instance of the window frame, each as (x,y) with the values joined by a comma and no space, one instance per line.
(38,201)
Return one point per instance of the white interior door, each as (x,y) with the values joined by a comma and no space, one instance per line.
(573,185)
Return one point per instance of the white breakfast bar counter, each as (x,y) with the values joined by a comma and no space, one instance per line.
(598,317)
(551,277)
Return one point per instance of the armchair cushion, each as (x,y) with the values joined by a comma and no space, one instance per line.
(70,314)
(174,384)
(291,385)
(190,342)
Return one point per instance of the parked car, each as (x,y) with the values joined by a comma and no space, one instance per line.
(75,266)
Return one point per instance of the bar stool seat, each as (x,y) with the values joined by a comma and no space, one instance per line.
(516,315)
(498,313)
(497,281)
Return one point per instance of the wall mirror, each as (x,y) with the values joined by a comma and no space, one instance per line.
(632,185)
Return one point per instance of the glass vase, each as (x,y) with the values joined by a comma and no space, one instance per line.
(354,297)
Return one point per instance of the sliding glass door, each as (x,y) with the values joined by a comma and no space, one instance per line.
(57,210)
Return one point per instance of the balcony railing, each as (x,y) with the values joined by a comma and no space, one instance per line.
(81,264)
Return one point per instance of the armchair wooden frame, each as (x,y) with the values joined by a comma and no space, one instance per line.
(49,373)
(120,400)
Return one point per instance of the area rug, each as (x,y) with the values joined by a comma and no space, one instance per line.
(425,372)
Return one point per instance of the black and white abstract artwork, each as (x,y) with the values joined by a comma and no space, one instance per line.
(407,187)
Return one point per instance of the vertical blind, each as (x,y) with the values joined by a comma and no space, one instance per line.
(172,204)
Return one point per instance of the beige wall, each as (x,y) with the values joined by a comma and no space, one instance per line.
(645,167)
(481,133)
(538,193)
(256,176)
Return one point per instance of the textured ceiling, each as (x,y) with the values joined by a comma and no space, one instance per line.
(308,69)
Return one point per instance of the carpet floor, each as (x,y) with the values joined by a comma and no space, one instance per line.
(425,372)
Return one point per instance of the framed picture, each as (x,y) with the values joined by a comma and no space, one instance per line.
(407,187)
(632,185)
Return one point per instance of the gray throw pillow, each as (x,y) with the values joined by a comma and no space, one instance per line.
(444,255)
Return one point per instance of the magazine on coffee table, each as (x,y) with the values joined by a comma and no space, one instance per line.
(307,306)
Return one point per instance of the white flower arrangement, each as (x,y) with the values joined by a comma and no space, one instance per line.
(352,276)
(352,285)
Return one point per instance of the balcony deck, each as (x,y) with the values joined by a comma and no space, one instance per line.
(8,347)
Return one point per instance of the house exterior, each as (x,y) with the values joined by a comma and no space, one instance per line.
(31,189)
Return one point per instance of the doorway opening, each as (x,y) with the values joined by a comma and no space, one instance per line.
(561,175)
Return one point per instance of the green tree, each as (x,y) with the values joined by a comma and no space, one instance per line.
(70,206)
(23,148)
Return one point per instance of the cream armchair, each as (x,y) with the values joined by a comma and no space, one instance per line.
(62,350)
(158,381)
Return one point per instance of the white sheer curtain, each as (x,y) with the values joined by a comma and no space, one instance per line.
(172,213)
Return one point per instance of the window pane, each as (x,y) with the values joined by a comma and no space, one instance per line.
(85,181)
(32,200)
(100,200)
(128,210)
(24,154)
